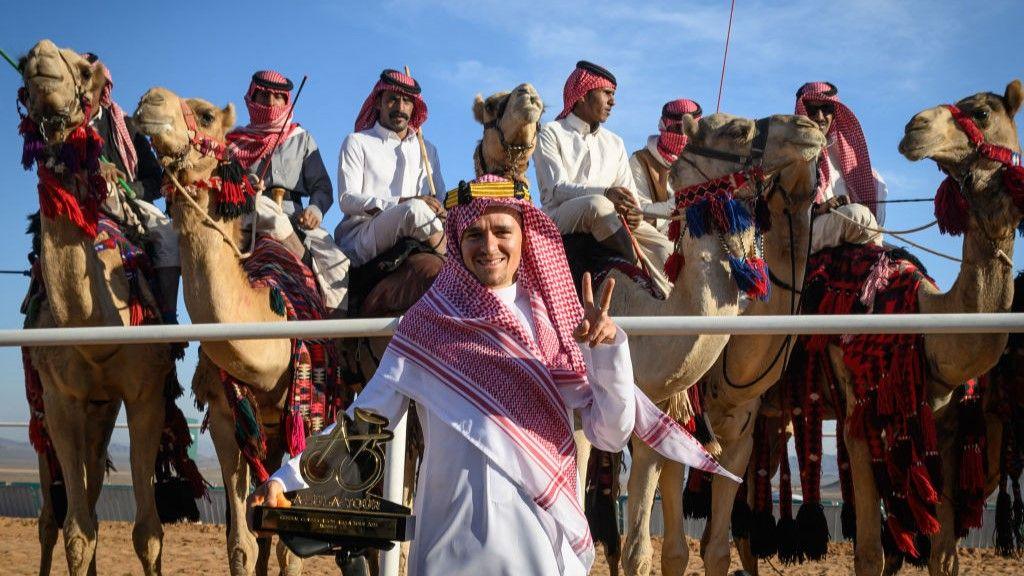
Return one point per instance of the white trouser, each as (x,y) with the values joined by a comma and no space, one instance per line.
(596,215)
(830,230)
(410,219)
(330,265)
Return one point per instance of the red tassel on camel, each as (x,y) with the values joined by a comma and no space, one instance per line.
(951,208)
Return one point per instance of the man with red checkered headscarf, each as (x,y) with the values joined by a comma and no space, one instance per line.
(128,158)
(650,165)
(497,355)
(383,177)
(846,181)
(583,171)
(281,152)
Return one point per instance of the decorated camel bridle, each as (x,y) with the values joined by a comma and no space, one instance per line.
(232,191)
(712,206)
(514,153)
(952,205)
(70,183)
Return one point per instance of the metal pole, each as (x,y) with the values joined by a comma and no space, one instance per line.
(633,325)
(394,480)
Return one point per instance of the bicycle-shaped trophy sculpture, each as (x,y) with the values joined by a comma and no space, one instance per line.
(337,515)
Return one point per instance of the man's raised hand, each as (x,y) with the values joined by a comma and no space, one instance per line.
(597,326)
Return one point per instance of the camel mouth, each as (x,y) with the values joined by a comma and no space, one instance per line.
(154,126)
(917,150)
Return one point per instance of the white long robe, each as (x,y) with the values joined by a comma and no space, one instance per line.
(471,518)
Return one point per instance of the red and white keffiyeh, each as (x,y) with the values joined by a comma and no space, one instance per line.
(854,162)
(249,144)
(122,137)
(392,81)
(670,144)
(586,77)
(500,379)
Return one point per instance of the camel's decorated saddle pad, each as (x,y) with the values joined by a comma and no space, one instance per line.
(891,411)
(587,255)
(317,391)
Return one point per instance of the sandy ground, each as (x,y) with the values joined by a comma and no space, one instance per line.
(195,550)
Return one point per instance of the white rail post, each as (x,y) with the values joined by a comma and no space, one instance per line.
(394,481)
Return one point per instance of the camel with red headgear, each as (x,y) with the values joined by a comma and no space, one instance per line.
(988,192)
(83,386)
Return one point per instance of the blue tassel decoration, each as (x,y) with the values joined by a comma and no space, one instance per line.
(738,216)
(751,276)
(697,219)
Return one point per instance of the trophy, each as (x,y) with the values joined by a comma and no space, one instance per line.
(337,515)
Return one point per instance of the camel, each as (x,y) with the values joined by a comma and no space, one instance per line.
(665,368)
(984,284)
(218,290)
(511,121)
(83,386)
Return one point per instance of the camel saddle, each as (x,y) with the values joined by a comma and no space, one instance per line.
(585,254)
(392,282)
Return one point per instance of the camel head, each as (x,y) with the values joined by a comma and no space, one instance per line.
(935,133)
(511,120)
(59,85)
(791,146)
(160,116)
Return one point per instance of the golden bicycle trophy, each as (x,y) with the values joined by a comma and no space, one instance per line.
(337,515)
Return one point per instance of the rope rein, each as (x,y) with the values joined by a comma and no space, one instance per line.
(206,217)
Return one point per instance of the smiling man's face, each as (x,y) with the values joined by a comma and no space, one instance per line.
(492,247)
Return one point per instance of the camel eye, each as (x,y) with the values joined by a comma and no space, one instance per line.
(980,114)
(207,118)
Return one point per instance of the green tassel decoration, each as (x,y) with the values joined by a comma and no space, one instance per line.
(277,301)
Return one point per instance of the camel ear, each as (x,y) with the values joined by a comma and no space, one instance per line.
(228,118)
(478,109)
(1013,97)
(690,126)
(741,129)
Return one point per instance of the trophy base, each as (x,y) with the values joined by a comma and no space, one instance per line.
(316,531)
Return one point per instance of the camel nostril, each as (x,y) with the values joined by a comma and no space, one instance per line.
(917,123)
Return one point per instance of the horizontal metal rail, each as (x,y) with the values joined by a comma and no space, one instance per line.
(634,325)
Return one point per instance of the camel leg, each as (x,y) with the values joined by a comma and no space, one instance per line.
(735,431)
(288,563)
(868,556)
(582,460)
(145,427)
(241,543)
(47,519)
(943,560)
(675,553)
(643,479)
(66,421)
(101,427)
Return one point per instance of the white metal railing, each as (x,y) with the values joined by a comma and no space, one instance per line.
(634,325)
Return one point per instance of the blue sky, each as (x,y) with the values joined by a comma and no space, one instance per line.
(889,60)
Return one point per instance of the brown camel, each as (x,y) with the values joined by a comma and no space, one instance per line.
(511,121)
(665,368)
(218,290)
(83,386)
(984,284)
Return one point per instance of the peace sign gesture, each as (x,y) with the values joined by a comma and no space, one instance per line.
(596,327)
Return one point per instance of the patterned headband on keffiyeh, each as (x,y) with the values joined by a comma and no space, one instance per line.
(670,144)
(392,81)
(586,77)
(249,144)
(509,393)
(849,140)
(122,137)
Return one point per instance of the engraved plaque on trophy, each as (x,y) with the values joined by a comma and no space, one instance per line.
(337,514)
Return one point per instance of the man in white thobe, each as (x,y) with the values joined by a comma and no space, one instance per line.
(583,171)
(496,355)
(384,183)
(846,181)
